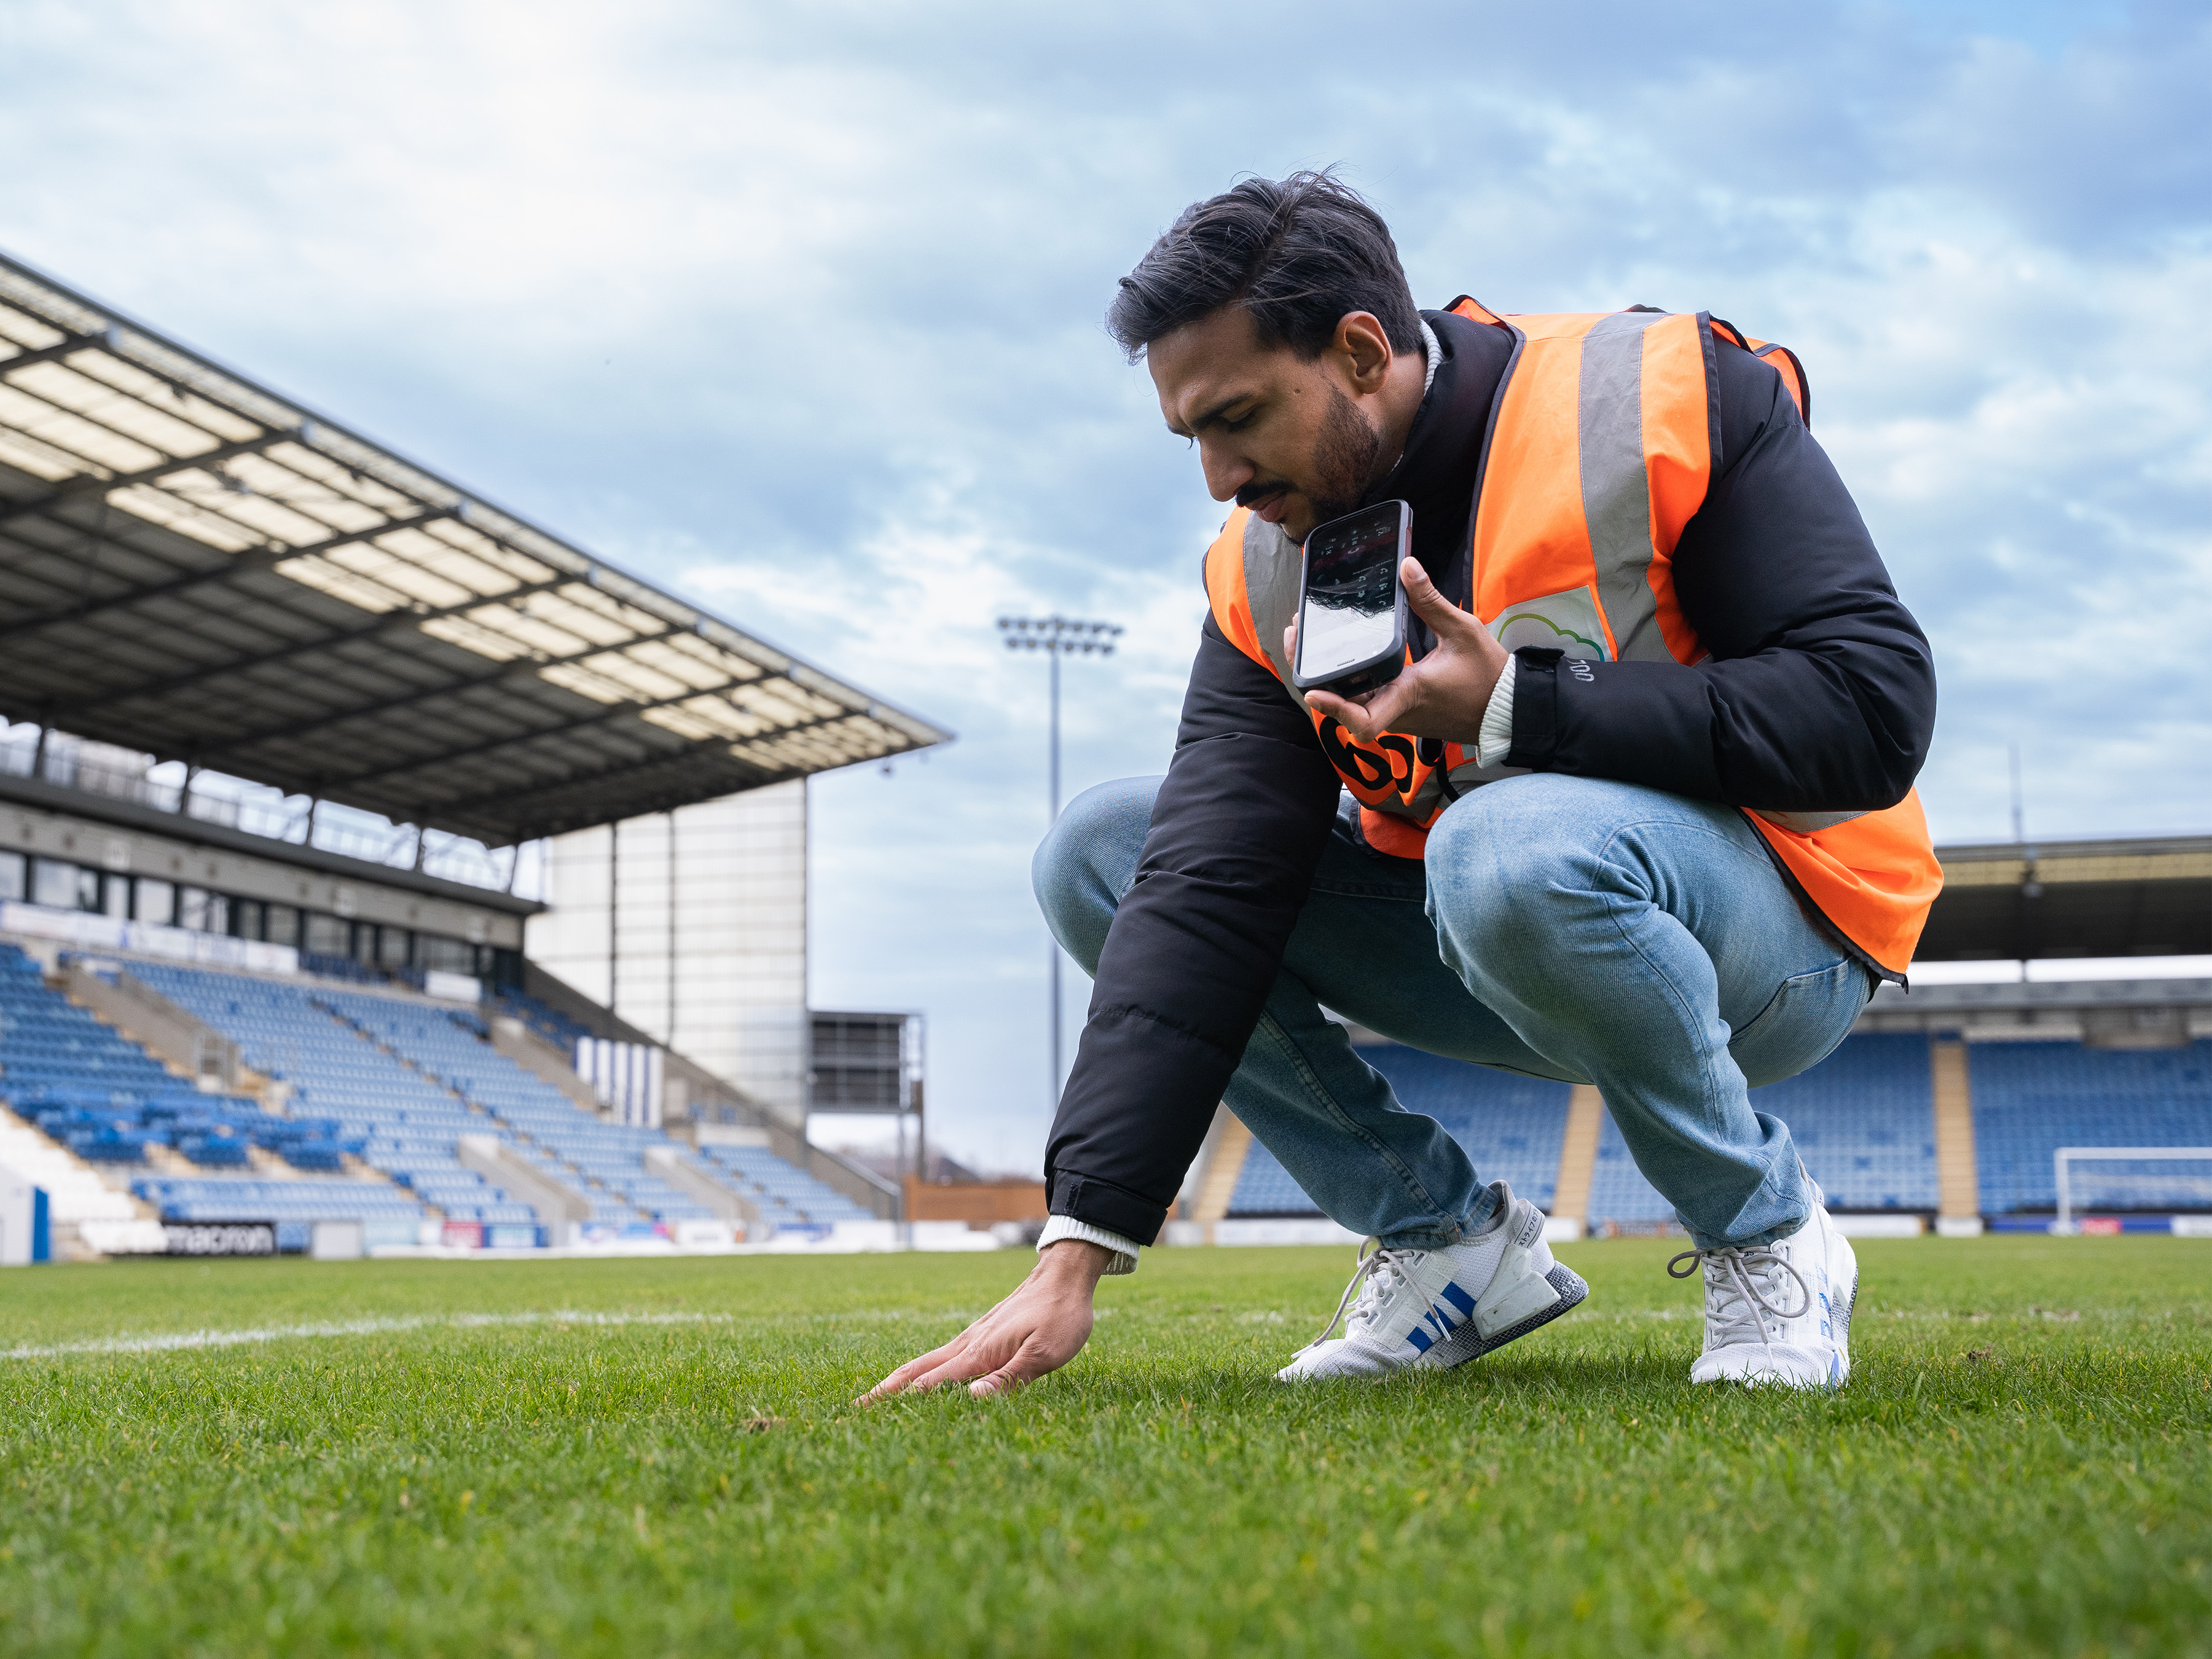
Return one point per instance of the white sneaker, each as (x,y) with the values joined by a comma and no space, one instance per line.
(1443,1308)
(1779,1312)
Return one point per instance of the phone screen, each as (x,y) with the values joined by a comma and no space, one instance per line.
(1350,613)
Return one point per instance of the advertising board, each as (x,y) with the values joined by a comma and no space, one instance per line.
(219,1238)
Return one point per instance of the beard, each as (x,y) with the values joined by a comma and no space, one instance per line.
(1344,459)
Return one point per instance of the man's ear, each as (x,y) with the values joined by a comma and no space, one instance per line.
(1364,350)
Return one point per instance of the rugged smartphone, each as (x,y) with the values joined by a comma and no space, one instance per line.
(1351,606)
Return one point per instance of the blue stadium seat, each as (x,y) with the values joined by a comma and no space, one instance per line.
(2032,1098)
(391,1080)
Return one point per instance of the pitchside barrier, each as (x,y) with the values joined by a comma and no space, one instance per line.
(2154,1178)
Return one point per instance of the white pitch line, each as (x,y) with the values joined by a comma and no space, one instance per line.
(173,1342)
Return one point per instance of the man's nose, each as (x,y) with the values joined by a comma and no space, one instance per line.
(1225,473)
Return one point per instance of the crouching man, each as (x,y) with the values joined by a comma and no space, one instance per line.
(1638,813)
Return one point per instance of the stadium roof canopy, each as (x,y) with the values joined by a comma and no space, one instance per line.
(2148,898)
(194,566)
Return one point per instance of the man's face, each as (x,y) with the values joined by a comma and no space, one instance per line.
(1293,440)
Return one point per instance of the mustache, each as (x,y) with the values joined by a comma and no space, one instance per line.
(1253,494)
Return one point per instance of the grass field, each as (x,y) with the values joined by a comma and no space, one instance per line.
(658,1457)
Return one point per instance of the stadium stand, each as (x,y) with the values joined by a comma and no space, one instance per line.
(48,1043)
(604,1161)
(404,1125)
(555,1027)
(295,1202)
(281,816)
(2032,1097)
(109,1102)
(390,1080)
(786,1195)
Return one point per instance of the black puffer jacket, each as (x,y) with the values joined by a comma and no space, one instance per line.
(1820,695)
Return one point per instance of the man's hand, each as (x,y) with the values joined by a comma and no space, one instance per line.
(1039,1328)
(1442,696)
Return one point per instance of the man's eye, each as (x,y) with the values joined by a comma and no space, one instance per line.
(1240,422)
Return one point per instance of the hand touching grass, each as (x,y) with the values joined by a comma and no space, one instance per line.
(1039,1328)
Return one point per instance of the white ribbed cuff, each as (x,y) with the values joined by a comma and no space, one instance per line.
(1495,739)
(1067,1226)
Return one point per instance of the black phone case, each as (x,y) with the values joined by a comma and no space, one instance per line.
(1385,665)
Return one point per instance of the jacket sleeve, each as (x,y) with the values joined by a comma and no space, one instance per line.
(1238,827)
(1819,692)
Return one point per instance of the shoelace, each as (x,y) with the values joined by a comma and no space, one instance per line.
(1742,1269)
(1366,1280)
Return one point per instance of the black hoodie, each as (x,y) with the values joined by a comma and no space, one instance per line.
(1819,696)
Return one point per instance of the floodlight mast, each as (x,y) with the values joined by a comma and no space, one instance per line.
(1058,636)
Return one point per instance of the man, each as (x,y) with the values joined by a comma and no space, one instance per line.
(1637,813)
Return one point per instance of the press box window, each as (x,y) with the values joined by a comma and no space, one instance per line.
(11,875)
(202,911)
(330,936)
(444,956)
(154,902)
(62,886)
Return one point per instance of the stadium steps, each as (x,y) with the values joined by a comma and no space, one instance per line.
(395,1121)
(553,1166)
(267,1166)
(171,1034)
(706,1183)
(542,1058)
(1223,1169)
(168,1160)
(1578,1153)
(1958,1178)
(785,1194)
(104,1016)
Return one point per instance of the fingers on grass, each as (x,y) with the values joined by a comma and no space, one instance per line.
(958,1369)
(1030,1361)
(905,1376)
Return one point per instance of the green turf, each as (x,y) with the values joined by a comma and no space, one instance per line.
(2019,1465)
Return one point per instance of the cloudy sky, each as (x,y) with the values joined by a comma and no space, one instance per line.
(796,310)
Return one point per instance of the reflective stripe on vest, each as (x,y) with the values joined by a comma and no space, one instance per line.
(1600,452)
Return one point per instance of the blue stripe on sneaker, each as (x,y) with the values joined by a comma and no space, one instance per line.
(1459,1298)
(1421,1338)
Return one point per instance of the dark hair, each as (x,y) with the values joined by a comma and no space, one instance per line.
(1298,254)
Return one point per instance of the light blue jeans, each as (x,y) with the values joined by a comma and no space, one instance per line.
(1564,927)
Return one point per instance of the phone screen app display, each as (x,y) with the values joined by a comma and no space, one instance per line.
(1350,613)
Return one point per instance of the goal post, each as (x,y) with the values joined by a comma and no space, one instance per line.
(2159,1186)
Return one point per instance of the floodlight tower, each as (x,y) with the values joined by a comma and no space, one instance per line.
(1057,637)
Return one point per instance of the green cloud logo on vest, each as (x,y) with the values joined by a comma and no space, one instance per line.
(1505,623)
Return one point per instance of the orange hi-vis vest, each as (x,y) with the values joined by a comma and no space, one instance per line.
(1600,452)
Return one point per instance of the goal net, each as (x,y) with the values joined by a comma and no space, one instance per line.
(2130,1178)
